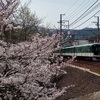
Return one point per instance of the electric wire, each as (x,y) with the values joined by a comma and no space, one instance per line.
(88,13)
(83,13)
(87,20)
(71,6)
(90,24)
(77,9)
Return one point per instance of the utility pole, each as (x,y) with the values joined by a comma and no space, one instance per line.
(97,28)
(61,21)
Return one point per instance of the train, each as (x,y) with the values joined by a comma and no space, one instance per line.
(91,51)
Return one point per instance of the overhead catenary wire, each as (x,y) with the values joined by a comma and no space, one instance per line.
(87,20)
(71,6)
(80,10)
(74,22)
(88,13)
(77,9)
(90,24)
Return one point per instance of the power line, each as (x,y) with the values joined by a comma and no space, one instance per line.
(71,6)
(83,13)
(90,24)
(77,9)
(86,20)
(88,13)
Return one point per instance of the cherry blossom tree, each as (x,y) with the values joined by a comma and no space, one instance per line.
(28,20)
(7,8)
(28,69)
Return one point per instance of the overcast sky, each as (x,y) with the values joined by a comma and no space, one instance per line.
(50,10)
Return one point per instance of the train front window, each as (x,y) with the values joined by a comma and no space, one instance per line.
(97,49)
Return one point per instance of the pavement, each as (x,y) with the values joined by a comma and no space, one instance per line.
(91,96)
(86,84)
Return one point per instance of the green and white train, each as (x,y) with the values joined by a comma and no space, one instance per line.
(86,51)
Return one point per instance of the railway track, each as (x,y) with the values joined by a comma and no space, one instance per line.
(93,66)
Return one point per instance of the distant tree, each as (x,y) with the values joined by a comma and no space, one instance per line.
(44,30)
(93,39)
(29,22)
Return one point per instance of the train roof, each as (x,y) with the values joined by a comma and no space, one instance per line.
(88,44)
(83,45)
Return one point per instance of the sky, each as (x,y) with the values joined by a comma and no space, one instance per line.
(79,13)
